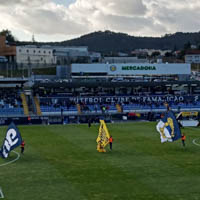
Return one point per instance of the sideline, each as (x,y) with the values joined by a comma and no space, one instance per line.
(12,161)
(1,194)
(194,142)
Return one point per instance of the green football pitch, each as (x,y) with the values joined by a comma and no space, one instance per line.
(61,163)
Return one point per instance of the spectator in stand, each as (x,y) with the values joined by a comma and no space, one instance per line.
(95,107)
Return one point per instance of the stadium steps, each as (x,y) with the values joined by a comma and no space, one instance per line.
(37,103)
(24,103)
(119,108)
(78,108)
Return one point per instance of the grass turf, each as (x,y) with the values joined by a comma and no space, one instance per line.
(61,162)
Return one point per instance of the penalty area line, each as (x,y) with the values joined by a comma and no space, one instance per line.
(1,194)
(194,142)
(12,161)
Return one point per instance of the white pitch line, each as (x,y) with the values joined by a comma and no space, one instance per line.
(194,142)
(1,194)
(12,161)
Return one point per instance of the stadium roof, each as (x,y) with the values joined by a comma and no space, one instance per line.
(108,84)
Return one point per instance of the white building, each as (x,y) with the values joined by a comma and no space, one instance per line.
(95,56)
(66,55)
(124,60)
(150,51)
(192,58)
(34,55)
(73,48)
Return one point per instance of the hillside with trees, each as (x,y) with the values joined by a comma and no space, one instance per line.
(108,41)
(111,42)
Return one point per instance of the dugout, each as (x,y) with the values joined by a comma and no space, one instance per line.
(188,115)
(190,118)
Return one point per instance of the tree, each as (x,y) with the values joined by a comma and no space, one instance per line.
(181,54)
(155,54)
(168,54)
(187,45)
(8,34)
(175,48)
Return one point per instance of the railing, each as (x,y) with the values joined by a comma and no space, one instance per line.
(119,108)
(24,103)
(37,103)
(78,108)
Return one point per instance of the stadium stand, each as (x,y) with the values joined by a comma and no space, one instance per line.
(10,103)
(73,101)
(139,102)
(56,105)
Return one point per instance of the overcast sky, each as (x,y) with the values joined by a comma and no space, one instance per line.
(58,20)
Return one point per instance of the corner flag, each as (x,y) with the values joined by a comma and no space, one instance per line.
(103,137)
(12,140)
(168,128)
